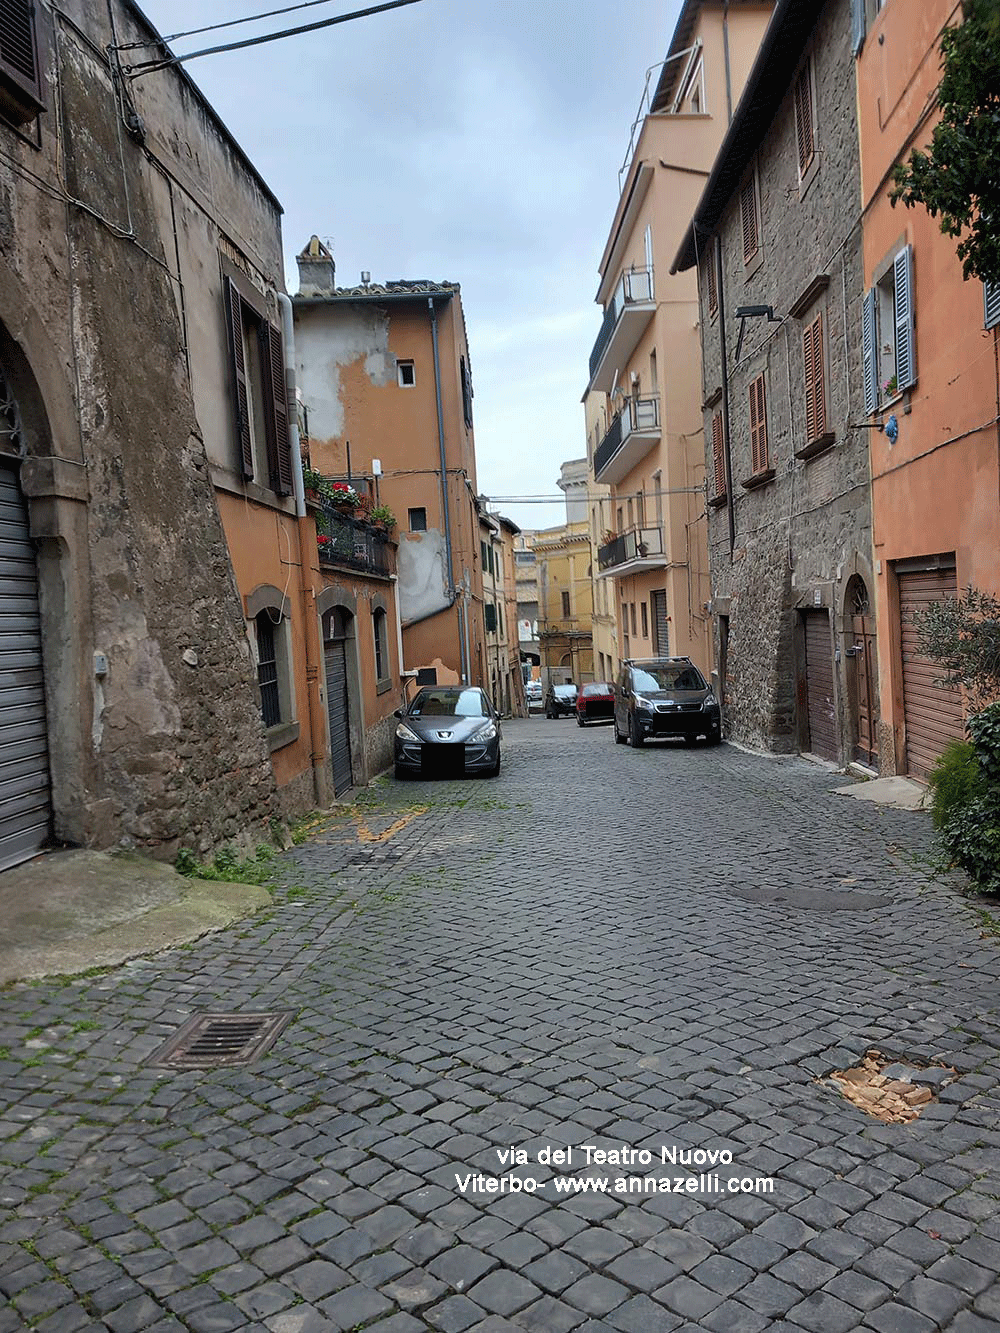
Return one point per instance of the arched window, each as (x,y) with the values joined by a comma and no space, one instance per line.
(269,624)
(381,645)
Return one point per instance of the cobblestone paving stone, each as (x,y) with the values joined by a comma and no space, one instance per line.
(603,946)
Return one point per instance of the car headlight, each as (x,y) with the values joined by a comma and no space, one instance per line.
(710,701)
(404,733)
(644,703)
(485,733)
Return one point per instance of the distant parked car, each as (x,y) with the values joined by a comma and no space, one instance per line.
(447,731)
(665,696)
(533,693)
(595,703)
(560,701)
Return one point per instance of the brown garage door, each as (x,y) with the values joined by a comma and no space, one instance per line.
(819,684)
(932,713)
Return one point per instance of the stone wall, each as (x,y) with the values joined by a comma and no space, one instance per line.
(801,535)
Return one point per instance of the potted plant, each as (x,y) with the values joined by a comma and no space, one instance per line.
(343,496)
(383,517)
(314,484)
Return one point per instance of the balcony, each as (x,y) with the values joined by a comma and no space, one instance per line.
(350,543)
(633,551)
(628,312)
(634,431)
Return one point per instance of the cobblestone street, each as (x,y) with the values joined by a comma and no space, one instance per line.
(651,949)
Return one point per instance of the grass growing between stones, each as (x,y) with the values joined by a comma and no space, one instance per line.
(227,867)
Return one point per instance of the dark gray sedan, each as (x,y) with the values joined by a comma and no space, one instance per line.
(447,730)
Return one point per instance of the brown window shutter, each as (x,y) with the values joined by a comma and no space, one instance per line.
(279,459)
(718,456)
(748,218)
(804,120)
(812,347)
(22,94)
(241,403)
(758,425)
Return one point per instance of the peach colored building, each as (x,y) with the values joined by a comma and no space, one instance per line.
(386,391)
(930,383)
(643,397)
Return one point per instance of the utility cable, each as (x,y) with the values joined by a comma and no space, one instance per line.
(149,66)
(229,23)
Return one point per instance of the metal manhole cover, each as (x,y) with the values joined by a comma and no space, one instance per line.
(209,1040)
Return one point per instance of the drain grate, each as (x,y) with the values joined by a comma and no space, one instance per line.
(209,1040)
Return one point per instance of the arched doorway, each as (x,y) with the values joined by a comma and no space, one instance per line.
(862,671)
(337,631)
(25,794)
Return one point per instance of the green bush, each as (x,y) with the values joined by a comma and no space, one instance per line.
(954,781)
(984,730)
(972,837)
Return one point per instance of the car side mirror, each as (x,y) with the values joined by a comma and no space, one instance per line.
(398,713)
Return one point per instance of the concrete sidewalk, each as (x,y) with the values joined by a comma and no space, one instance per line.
(65,912)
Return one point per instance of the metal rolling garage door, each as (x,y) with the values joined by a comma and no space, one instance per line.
(932,713)
(819,685)
(335,653)
(25,807)
(661,624)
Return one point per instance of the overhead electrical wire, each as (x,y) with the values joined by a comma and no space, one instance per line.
(149,66)
(229,23)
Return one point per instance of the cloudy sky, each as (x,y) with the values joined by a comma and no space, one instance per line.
(476,141)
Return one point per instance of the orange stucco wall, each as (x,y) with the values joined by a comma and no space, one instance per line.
(937,489)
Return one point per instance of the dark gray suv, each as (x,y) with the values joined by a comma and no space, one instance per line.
(665,696)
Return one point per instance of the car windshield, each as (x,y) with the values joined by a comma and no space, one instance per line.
(652,679)
(450,703)
(599,687)
(565,691)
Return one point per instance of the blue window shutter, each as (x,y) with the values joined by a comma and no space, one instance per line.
(991,303)
(868,350)
(858,24)
(906,352)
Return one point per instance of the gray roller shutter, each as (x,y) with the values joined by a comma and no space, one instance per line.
(661,625)
(335,654)
(932,713)
(25,805)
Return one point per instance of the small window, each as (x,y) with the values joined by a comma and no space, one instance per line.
(260,405)
(812,352)
(483,557)
(417,520)
(889,333)
(749,219)
(654,382)
(406,374)
(804,119)
(758,425)
(718,457)
(645,620)
(466,391)
(381,644)
(991,304)
(565,605)
(491,618)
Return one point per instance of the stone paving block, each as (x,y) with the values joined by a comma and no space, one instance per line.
(461,1266)
(455,1314)
(548,1315)
(732,1317)
(895,1318)
(595,1295)
(688,1298)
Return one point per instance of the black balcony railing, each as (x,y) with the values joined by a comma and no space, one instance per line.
(638,414)
(353,543)
(636,285)
(636,544)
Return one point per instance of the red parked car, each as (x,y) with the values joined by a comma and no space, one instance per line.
(595,702)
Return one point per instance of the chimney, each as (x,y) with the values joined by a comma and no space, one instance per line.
(316,270)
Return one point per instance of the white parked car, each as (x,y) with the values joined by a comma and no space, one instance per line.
(533,693)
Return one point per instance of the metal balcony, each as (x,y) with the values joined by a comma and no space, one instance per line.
(628,312)
(635,550)
(634,431)
(353,544)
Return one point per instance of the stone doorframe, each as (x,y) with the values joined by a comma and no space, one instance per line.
(856,566)
(340,595)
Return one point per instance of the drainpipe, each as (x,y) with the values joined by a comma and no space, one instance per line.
(725,49)
(310,624)
(463,645)
(726,451)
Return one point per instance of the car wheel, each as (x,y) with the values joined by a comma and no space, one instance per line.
(494,772)
(579,720)
(635,733)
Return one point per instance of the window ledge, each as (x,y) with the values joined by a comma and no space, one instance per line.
(817,446)
(751,265)
(383,686)
(717,501)
(285,733)
(758,479)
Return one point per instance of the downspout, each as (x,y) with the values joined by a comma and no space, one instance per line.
(725,49)
(310,624)
(451,590)
(726,452)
